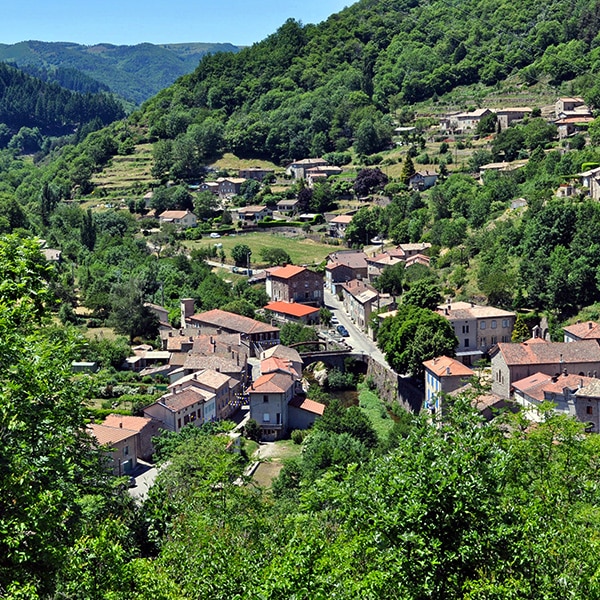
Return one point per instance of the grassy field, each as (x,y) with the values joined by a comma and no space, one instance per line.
(273,462)
(125,172)
(302,250)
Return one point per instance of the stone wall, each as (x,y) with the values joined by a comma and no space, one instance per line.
(393,388)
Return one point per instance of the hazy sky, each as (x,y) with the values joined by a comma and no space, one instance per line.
(157,21)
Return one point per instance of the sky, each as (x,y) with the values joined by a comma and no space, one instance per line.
(129,22)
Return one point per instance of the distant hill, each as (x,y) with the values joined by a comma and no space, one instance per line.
(134,72)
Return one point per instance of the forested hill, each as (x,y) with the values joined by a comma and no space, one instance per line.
(306,90)
(26,101)
(134,72)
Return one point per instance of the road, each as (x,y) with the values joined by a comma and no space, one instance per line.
(358,340)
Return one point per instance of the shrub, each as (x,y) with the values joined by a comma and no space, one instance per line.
(298,436)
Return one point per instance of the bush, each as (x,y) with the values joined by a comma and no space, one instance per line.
(298,436)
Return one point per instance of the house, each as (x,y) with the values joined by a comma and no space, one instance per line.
(298,168)
(359,299)
(343,266)
(144,357)
(442,376)
(251,215)
(423,180)
(417,259)
(288,206)
(216,384)
(229,186)
(145,428)
(565,105)
(478,328)
(292,283)
(161,313)
(182,218)
(256,335)
(290,355)
(467,120)
(318,174)
(512,362)
(121,447)
(256,173)
(52,255)
(414,249)
(302,412)
(338,226)
(294,312)
(507,116)
(588,330)
(269,396)
(591,180)
(376,264)
(209,186)
(181,406)
(574,395)
(569,126)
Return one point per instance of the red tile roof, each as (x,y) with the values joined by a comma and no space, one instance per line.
(275,383)
(107,436)
(444,366)
(539,384)
(588,330)
(286,272)
(585,351)
(291,308)
(274,364)
(184,399)
(127,422)
(309,405)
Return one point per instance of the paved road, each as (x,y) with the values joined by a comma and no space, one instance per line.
(358,340)
(144,475)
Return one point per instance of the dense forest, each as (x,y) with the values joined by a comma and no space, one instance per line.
(135,73)
(440,507)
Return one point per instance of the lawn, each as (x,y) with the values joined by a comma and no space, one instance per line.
(375,409)
(273,457)
(302,250)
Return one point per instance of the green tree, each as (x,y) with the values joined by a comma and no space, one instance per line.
(275,256)
(129,315)
(408,170)
(240,255)
(520,330)
(424,294)
(413,336)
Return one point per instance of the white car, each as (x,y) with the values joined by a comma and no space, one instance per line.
(214,234)
(334,320)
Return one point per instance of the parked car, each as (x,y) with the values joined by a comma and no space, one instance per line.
(214,234)
(334,320)
(342,331)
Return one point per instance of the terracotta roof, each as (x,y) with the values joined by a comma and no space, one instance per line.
(275,383)
(232,322)
(342,219)
(470,310)
(293,309)
(127,422)
(184,399)
(107,436)
(274,364)
(444,366)
(286,272)
(360,290)
(309,405)
(588,330)
(207,377)
(539,384)
(585,351)
(281,351)
(174,214)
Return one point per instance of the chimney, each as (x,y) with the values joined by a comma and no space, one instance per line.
(590,325)
(121,424)
(564,372)
(448,371)
(187,310)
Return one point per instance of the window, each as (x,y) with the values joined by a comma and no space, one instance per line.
(465,329)
(589,410)
(265,398)
(493,324)
(494,339)
(482,343)
(266,418)
(278,418)
(482,325)
(126,449)
(466,342)
(504,323)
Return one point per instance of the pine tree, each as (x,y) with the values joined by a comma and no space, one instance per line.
(408,170)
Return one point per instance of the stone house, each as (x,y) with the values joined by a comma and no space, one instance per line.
(145,428)
(478,328)
(229,186)
(344,266)
(181,406)
(359,299)
(292,283)
(256,173)
(338,226)
(298,168)
(182,218)
(467,120)
(507,116)
(513,362)
(588,330)
(423,180)
(591,180)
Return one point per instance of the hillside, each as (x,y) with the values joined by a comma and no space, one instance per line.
(133,72)
(307,90)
